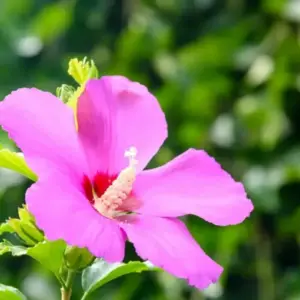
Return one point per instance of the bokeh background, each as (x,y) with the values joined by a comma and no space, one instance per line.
(227,74)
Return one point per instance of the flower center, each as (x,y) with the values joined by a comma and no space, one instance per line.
(112,196)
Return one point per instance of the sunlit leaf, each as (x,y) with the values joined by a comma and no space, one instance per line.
(15,250)
(10,293)
(49,254)
(16,162)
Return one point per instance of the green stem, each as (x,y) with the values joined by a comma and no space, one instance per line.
(66,291)
(66,294)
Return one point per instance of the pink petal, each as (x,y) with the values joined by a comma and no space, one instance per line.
(115,114)
(193,183)
(43,127)
(62,212)
(168,244)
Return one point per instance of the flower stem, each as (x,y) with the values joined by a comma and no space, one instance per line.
(66,294)
(66,291)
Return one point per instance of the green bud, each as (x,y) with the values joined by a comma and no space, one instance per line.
(78,258)
(24,227)
(25,215)
(28,224)
(15,224)
(32,231)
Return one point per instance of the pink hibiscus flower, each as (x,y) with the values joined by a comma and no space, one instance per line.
(92,191)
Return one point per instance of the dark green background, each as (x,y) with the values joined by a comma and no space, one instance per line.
(227,74)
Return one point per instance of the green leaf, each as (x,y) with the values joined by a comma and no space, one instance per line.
(10,293)
(48,254)
(101,272)
(16,162)
(15,250)
(61,12)
(4,248)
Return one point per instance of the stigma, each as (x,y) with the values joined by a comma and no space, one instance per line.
(111,201)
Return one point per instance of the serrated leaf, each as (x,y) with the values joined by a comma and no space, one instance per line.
(49,254)
(101,272)
(10,293)
(16,162)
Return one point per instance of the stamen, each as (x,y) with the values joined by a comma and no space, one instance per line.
(120,188)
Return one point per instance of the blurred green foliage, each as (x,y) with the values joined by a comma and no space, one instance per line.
(227,74)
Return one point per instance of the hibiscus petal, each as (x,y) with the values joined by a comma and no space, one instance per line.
(168,244)
(193,183)
(43,127)
(115,114)
(62,212)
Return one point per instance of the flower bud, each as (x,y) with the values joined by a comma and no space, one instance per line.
(24,227)
(15,224)
(78,258)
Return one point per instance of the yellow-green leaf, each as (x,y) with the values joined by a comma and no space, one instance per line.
(16,162)
(10,293)
(49,254)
